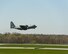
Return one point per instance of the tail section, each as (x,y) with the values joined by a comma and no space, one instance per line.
(12,25)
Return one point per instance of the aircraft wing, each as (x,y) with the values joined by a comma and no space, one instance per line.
(24,27)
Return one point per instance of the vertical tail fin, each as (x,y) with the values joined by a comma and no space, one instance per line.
(12,25)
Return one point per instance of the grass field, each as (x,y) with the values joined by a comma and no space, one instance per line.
(25,51)
(33,51)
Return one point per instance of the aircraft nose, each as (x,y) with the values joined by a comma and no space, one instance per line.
(35,26)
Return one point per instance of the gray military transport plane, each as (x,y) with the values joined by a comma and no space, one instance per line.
(22,27)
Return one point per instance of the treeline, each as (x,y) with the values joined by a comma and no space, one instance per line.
(33,38)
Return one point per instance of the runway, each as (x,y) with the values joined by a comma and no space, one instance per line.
(54,48)
(39,48)
(33,48)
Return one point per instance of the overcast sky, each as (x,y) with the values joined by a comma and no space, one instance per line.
(50,16)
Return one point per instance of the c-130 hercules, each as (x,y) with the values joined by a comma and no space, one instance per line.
(22,27)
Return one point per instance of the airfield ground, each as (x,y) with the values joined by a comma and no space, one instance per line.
(33,49)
